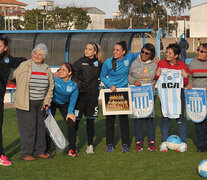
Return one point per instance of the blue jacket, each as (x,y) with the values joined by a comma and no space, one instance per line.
(119,77)
(65,92)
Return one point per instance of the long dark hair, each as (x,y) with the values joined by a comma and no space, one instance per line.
(124,47)
(74,75)
(5,40)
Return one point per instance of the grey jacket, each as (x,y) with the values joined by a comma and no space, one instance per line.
(143,72)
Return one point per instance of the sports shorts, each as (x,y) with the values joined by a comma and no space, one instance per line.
(87,107)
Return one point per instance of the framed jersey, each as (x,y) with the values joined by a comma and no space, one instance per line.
(115,103)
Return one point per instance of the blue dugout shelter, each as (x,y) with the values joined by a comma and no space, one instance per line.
(68,45)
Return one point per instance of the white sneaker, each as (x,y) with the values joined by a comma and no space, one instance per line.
(163,147)
(182,148)
(89,149)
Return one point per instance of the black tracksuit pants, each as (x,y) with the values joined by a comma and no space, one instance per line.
(71,125)
(1,123)
(124,127)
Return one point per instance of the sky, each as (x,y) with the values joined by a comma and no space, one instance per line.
(107,6)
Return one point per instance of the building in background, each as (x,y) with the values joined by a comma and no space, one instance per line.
(97,18)
(45,5)
(198,21)
(183,26)
(117,15)
(11,10)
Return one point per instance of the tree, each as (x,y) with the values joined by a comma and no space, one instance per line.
(59,18)
(17,24)
(145,13)
(80,17)
(2,23)
(119,23)
(66,18)
(33,19)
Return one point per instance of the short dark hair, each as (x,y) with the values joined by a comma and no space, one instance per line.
(176,49)
(204,45)
(150,47)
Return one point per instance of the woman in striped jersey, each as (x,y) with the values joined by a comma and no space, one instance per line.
(34,91)
(172,61)
(198,79)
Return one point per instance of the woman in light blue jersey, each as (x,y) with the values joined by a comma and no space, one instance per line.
(114,74)
(64,98)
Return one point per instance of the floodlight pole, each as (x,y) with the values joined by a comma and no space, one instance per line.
(5,20)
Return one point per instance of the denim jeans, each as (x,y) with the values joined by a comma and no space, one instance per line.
(180,122)
(150,129)
(201,133)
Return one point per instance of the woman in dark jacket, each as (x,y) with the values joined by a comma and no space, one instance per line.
(7,62)
(89,68)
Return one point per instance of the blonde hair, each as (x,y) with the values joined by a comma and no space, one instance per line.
(99,52)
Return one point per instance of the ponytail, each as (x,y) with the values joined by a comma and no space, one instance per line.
(99,52)
(74,75)
(124,47)
(114,64)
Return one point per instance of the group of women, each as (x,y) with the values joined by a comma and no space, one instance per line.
(74,90)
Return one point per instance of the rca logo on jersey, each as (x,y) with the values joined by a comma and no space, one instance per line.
(170,85)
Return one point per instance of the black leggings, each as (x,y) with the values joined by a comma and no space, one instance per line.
(71,125)
(90,130)
(1,123)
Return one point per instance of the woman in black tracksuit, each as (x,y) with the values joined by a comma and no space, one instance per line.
(89,67)
(7,62)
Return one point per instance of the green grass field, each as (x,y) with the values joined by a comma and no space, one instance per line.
(102,165)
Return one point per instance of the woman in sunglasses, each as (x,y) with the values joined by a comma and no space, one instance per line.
(142,71)
(198,79)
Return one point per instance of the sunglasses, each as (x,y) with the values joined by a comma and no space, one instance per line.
(201,51)
(146,53)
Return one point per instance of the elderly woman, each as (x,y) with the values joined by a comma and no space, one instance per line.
(34,90)
(198,79)
(142,71)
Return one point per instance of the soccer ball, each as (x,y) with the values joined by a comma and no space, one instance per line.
(173,142)
(202,168)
